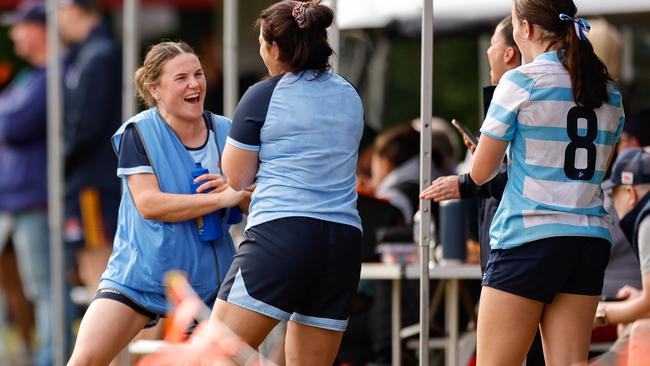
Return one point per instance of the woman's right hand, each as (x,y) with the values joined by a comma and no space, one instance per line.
(231,198)
(442,189)
(216,182)
(469,144)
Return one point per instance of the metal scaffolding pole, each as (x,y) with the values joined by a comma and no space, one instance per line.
(425,173)
(335,38)
(130,54)
(230,55)
(55,183)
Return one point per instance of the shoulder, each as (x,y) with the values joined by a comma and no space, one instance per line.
(220,123)
(522,77)
(261,90)
(220,120)
(148,115)
(99,49)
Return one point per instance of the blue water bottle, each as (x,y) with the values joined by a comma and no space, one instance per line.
(208,226)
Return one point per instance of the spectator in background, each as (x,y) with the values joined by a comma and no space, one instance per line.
(629,188)
(92,112)
(636,132)
(396,165)
(23,145)
(623,266)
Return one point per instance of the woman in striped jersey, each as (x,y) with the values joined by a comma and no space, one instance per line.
(558,116)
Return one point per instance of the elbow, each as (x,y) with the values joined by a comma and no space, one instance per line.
(237,183)
(147,209)
(479,179)
(148,213)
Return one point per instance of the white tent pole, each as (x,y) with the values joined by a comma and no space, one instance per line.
(131,50)
(230,56)
(425,173)
(335,38)
(55,183)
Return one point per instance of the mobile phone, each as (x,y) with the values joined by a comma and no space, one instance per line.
(465,132)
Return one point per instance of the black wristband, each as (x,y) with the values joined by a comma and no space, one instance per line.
(466,186)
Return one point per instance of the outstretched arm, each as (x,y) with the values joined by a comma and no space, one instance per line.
(153,204)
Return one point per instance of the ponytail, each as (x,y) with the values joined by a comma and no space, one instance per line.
(589,75)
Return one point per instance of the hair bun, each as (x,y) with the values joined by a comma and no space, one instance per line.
(317,16)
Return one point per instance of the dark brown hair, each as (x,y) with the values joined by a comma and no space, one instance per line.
(401,143)
(154,61)
(588,73)
(506,32)
(301,47)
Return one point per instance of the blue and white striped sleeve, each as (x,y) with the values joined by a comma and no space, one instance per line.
(250,115)
(132,158)
(512,91)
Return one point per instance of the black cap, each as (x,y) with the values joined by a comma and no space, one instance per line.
(632,167)
(28,11)
(638,125)
(82,3)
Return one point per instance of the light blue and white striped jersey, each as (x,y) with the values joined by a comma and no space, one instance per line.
(557,156)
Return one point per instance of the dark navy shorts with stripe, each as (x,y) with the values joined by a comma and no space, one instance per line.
(297,268)
(542,268)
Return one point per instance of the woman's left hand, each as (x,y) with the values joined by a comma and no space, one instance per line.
(216,182)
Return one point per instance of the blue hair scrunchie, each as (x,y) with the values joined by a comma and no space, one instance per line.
(580,24)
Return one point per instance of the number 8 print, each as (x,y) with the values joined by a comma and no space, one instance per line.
(581,142)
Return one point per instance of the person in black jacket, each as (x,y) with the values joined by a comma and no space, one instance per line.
(92,112)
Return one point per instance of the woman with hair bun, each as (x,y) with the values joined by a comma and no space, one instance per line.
(559,116)
(160,218)
(296,136)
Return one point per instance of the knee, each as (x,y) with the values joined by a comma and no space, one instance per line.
(79,359)
(84,358)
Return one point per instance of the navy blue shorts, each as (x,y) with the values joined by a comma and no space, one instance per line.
(542,268)
(297,268)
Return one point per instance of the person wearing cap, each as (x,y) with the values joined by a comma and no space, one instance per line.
(629,189)
(636,132)
(92,111)
(23,148)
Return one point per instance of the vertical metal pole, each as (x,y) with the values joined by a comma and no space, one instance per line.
(335,38)
(230,55)
(396,321)
(425,173)
(55,182)
(451,319)
(130,54)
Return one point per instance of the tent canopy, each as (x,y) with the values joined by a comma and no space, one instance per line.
(377,13)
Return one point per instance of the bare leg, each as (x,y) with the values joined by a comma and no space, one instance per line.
(507,324)
(107,327)
(312,346)
(250,326)
(17,303)
(566,329)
